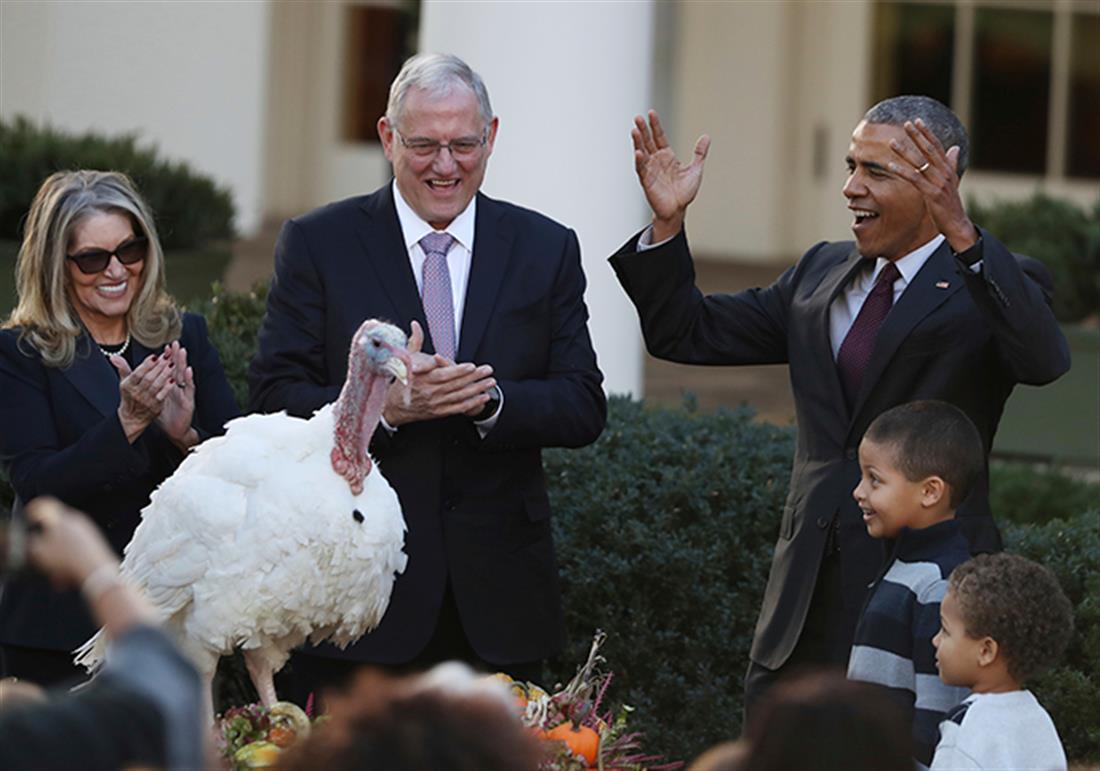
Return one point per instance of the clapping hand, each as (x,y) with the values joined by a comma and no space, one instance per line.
(437,387)
(934,172)
(179,404)
(142,392)
(668,184)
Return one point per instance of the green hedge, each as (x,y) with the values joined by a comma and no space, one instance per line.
(190,209)
(1025,494)
(664,530)
(1060,234)
(1071,548)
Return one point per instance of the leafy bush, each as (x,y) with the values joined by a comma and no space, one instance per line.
(664,530)
(1060,234)
(191,209)
(1071,548)
(233,319)
(1038,494)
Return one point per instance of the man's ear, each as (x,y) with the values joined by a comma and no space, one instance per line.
(987,651)
(385,134)
(933,490)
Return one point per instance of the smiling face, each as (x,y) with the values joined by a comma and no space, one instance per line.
(958,655)
(891,219)
(439,187)
(888,499)
(103,299)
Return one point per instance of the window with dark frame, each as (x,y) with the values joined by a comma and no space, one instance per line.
(379,37)
(1008,76)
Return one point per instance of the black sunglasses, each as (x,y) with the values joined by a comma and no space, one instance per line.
(96,260)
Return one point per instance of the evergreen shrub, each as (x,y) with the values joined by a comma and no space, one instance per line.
(1071,548)
(1060,234)
(1024,493)
(664,530)
(190,208)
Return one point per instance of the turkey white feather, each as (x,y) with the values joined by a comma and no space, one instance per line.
(278,531)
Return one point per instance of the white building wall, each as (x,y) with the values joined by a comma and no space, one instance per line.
(565,80)
(187,76)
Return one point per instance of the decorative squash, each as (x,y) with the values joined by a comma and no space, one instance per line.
(580,739)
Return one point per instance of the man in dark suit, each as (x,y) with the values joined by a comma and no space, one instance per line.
(924,305)
(498,291)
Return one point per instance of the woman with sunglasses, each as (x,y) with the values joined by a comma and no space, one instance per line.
(104,386)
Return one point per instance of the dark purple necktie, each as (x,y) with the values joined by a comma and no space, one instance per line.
(858,344)
(436,293)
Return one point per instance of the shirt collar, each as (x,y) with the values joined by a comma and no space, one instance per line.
(413,228)
(909,265)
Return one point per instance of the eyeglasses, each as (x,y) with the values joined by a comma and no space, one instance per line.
(462,149)
(97,260)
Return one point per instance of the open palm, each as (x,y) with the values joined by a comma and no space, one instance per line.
(669,185)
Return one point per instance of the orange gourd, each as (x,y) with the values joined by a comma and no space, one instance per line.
(580,739)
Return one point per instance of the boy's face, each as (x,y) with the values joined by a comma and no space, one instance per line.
(957,653)
(888,499)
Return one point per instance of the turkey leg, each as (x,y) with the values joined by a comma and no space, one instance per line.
(263,676)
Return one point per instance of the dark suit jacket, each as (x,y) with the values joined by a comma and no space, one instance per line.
(968,342)
(476,509)
(60,436)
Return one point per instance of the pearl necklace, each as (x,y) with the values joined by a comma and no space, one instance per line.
(119,352)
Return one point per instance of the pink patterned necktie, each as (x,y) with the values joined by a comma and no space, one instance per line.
(858,344)
(436,293)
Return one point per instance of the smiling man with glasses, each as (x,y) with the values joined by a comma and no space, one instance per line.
(495,293)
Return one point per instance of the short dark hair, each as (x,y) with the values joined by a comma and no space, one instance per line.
(932,438)
(824,721)
(1018,603)
(944,124)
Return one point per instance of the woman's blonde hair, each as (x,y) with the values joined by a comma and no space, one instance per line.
(44,312)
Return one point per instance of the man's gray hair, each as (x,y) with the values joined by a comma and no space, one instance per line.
(436,74)
(944,124)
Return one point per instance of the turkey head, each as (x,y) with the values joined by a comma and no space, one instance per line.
(377,357)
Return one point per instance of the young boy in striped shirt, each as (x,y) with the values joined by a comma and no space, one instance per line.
(918,462)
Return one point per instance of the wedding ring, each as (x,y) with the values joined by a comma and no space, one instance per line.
(924,168)
(182,385)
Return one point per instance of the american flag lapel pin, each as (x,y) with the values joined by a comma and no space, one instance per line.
(942,284)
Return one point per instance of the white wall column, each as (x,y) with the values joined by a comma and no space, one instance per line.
(566,80)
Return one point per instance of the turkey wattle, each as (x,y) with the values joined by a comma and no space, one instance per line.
(277,531)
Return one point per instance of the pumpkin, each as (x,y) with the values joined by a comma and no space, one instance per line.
(580,739)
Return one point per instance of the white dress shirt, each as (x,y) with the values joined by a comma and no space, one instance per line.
(459,258)
(845,308)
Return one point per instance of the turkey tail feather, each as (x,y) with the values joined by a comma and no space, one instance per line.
(90,654)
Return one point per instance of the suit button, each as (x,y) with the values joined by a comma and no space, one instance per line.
(449,505)
(851,453)
(823,522)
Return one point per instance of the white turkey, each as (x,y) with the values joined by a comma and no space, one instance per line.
(277,531)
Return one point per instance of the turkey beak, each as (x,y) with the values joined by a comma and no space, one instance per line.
(398,365)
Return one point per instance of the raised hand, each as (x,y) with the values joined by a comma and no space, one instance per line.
(142,392)
(437,387)
(668,184)
(934,172)
(179,403)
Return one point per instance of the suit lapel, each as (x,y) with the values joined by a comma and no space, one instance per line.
(936,281)
(379,233)
(93,376)
(834,282)
(493,239)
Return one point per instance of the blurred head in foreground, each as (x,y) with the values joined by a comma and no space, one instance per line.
(823,722)
(448,718)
